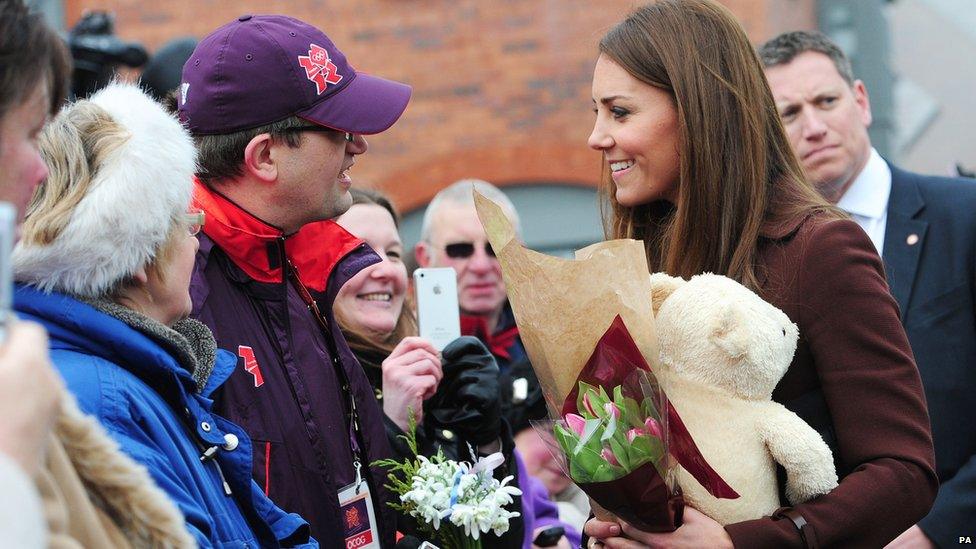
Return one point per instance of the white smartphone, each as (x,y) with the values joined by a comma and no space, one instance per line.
(437,305)
(8,234)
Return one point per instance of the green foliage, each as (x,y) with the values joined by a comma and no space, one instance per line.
(400,474)
(603,431)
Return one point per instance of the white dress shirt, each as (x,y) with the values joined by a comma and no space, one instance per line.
(867,198)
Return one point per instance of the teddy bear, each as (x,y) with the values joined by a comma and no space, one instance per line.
(723,350)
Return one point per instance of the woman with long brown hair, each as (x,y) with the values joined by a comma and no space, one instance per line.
(697,165)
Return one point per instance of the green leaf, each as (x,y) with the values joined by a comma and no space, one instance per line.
(631,413)
(566,438)
(646,449)
(597,397)
(588,439)
(607,472)
(647,406)
(576,472)
(620,452)
(610,429)
(584,389)
(618,395)
(593,441)
(586,462)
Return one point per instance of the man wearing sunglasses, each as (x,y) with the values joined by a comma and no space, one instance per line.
(279,115)
(452,236)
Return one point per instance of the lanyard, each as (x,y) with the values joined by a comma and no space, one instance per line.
(355,435)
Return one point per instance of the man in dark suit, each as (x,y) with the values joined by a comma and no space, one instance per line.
(925,229)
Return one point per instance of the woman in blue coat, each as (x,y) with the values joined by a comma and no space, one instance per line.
(104,264)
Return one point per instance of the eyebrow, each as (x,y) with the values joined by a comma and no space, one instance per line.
(610,99)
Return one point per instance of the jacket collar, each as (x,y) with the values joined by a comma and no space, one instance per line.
(905,199)
(255,246)
(905,237)
(76,326)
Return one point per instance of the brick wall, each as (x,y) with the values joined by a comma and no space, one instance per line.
(501,88)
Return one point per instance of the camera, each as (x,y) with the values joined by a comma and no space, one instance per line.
(97,53)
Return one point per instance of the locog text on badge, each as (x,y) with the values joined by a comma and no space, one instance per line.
(360,540)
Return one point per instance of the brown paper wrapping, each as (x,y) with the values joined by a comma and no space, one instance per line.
(564,306)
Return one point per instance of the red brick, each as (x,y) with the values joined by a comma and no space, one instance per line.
(501,89)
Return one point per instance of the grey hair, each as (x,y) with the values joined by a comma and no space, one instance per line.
(785,47)
(460,193)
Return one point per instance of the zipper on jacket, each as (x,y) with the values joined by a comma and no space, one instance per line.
(351,414)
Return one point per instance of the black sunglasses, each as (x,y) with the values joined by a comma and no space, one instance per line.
(349,136)
(462,250)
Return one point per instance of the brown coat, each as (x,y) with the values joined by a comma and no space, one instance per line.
(854,379)
(95,496)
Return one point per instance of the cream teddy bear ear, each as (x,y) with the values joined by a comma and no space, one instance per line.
(662,286)
(728,331)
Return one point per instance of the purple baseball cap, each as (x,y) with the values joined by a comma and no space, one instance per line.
(261,69)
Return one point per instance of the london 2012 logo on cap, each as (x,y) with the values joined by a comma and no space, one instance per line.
(319,68)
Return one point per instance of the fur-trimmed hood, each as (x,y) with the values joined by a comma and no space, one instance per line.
(137,193)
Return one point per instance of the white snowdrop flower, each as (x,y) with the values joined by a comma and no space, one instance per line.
(467,497)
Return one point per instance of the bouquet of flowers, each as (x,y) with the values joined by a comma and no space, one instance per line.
(454,503)
(614,435)
(588,329)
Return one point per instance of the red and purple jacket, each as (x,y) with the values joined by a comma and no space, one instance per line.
(251,285)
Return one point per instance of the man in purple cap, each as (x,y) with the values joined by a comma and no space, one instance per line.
(279,115)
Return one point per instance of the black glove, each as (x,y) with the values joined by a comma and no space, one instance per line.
(467,400)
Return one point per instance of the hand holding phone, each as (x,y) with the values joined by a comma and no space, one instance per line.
(437,305)
(410,375)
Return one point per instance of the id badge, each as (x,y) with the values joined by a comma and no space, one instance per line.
(358,518)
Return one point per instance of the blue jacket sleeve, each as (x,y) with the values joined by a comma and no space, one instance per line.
(289,529)
(141,449)
(87,379)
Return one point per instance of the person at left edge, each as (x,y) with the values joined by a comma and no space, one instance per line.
(279,115)
(104,265)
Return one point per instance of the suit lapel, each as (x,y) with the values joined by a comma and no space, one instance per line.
(904,236)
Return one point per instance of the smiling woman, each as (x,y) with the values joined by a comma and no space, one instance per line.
(371,304)
(697,166)
(636,129)
(453,395)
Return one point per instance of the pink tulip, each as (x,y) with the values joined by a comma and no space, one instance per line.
(612,410)
(576,423)
(608,455)
(588,405)
(634,433)
(653,427)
